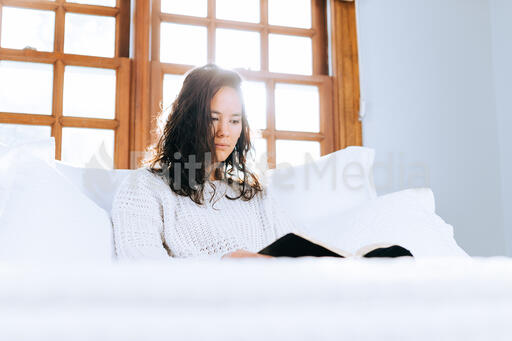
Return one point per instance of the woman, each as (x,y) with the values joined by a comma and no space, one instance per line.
(197,198)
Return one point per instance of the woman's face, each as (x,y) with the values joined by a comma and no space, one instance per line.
(226,111)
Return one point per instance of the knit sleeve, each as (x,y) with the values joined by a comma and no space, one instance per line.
(137,218)
(279,218)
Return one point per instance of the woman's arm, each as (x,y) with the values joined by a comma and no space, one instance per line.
(244,254)
(137,218)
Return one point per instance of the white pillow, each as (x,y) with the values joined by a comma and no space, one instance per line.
(45,217)
(99,185)
(25,149)
(406,218)
(334,183)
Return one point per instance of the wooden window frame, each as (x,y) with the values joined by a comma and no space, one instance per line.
(120,63)
(137,72)
(149,69)
(345,74)
(339,127)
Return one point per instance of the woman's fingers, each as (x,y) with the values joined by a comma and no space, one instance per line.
(244,254)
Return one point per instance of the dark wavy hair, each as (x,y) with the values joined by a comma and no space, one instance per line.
(188,136)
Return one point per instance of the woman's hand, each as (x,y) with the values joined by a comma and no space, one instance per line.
(244,254)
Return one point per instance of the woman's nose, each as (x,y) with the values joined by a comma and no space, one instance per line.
(223,128)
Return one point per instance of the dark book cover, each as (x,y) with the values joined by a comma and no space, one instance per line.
(296,245)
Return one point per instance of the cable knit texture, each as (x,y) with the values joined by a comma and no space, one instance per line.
(152,222)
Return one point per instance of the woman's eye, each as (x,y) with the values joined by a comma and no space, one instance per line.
(235,121)
(215,118)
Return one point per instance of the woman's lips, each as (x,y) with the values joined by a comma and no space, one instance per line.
(222,146)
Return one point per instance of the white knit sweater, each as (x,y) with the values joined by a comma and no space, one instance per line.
(152,222)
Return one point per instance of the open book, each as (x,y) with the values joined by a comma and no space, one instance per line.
(297,245)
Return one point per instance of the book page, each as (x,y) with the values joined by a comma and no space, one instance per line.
(368,248)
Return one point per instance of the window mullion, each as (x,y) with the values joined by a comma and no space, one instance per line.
(271,124)
(1,24)
(59,28)
(155,30)
(211,31)
(58,84)
(122,132)
(264,34)
(318,16)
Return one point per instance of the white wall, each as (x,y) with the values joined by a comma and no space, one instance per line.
(501,23)
(427,80)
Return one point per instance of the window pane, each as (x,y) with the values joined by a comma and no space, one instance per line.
(90,35)
(89,92)
(257,158)
(26,87)
(196,8)
(280,13)
(290,54)
(238,49)
(255,100)
(297,107)
(247,10)
(109,3)
(183,44)
(90,148)
(27,28)
(171,89)
(296,152)
(10,133)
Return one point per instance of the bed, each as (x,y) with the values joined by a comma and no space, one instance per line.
(60,279)
(256,299)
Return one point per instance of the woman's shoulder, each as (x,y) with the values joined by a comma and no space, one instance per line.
(142,180)
(143,175)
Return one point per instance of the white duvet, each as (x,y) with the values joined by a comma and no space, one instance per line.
(259,299)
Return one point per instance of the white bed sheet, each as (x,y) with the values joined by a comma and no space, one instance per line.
(255,299)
